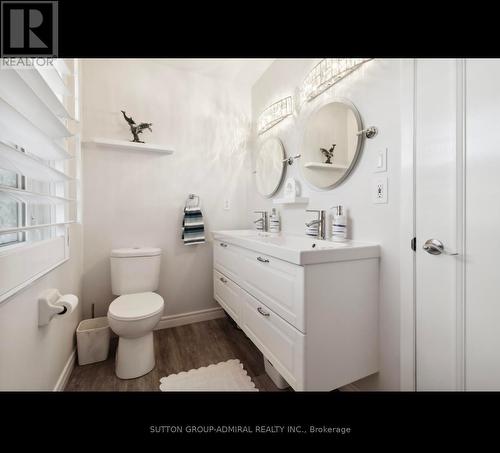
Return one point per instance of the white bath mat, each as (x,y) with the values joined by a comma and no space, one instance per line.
(227,376)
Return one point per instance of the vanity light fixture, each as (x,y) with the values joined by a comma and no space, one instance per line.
(327,73)
(275,113)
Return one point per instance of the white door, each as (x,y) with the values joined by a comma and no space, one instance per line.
(482,284)
(438,148)
(457,199)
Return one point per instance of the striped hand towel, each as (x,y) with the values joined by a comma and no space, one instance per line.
(193,227)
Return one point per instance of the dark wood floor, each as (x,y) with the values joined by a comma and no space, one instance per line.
(178,349)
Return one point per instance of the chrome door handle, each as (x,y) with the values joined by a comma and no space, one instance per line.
(262,312)
(262,260)
(436,247)
(222,244)
(223,280)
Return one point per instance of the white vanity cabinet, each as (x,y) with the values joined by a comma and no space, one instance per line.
(229,295)
(276,283)
(317,323)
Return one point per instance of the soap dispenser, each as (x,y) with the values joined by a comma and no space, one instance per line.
(274,222)
(339,224)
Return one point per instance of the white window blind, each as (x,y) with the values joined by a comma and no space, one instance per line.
(39,166)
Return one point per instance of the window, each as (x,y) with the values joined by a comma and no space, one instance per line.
(19,207)
(12,210)
(39,161)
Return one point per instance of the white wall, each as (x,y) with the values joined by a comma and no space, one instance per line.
(374,89)
(32,357)
(136,199)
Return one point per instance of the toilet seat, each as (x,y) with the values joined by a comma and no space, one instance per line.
(131,307)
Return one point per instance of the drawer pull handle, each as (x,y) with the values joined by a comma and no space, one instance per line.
(223,280)
(222,244)
(262,312)
(262,260)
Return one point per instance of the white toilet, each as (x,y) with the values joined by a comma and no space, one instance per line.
(135,273)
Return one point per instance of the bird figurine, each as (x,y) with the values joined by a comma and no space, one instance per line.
(328,154)
(136,129)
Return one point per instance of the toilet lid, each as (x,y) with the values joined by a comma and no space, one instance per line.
(136,306)
(135,251)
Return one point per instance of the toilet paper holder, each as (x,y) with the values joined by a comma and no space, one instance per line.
(52,303)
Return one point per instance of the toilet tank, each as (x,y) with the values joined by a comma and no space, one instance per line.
(135,270)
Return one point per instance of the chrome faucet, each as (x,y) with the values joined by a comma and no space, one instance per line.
(320,221)
(262,220)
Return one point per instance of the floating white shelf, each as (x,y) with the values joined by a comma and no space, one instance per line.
(325,166)
(126,145)
(296,200)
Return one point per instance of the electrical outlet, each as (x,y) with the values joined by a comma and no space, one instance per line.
(227,204)
(380,161)
(379,190)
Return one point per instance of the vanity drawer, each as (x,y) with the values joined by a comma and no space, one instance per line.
(227,259)
(276,283)
(229,295)
(281,344)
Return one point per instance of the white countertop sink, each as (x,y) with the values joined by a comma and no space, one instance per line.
(296,249)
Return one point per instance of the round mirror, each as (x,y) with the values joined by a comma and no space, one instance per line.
(331,144)
(269,167)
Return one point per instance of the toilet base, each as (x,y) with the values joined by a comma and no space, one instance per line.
(135,356)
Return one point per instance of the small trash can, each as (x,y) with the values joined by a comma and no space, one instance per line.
(92,338)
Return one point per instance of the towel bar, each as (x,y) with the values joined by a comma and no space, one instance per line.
(192,196)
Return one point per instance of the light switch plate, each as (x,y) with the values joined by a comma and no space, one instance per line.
(227,204)
(380,161)
(379,189)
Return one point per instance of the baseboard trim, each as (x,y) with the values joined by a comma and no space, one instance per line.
(350,388)
(65,373)
(190,317)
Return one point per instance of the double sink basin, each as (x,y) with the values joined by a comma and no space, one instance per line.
(296,249)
